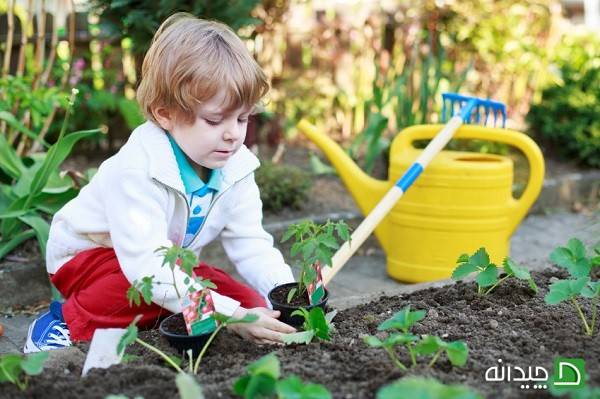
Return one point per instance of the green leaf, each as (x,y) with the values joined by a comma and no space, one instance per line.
(56,155)
(487,277)
(41,229)
(512,269)
(267,365)
(318,323)
(577,248)
(342,231)
(402,320)
(562,257)
(457,352)
(563,290)
(128,337)
(188,387)
(425,388)
(429,344)
(329,241)
(463,271)
(591,290)
(288,234)
(480,258)
(10,367)
(400,339)
(373,341)
(291,294)
(464,258)
(303,337)
(294,388)
(9,161)
(33,364)
(7,247)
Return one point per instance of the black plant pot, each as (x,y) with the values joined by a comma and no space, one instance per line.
(181,340)
(287,309)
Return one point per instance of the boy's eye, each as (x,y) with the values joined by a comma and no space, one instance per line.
(242,120)
(212,123)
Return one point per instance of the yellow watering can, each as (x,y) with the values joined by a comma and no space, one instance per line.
(461,202)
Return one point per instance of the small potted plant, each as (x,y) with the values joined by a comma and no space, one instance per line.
(192,328)
(313,245)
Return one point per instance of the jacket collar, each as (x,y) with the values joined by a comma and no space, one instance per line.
(162,164)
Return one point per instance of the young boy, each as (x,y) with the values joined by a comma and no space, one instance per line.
(183,178)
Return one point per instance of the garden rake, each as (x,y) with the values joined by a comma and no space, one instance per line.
(464,109)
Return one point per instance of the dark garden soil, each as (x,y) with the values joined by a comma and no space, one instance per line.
(510,324)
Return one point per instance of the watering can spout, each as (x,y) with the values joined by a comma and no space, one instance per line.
(365,190)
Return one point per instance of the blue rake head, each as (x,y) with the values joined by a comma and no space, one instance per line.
(469,108)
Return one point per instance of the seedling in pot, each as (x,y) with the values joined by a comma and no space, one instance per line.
(17,369)
(262,381)
(199,313)
(131,336)
(487,272)
(316,324)
(579,264)
(174,257)
(420,387)
(399,326)
(314,245)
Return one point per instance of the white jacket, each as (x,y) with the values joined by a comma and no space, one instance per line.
(136,203)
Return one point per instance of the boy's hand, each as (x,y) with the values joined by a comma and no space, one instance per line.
(266,330)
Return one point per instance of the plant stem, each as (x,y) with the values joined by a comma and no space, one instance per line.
(160,353)
(413,359)
(394,358)
(495,285)
(175,285)
(582,316)
(206,345)
(594,314)
(435,358)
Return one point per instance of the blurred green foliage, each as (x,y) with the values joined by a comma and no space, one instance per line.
(568,115)
(139,19)
(282,186)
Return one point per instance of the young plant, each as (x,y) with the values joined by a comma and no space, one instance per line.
(316,324)
(579,264)
(262,381)
(186,260)
(487,272)
(131,336)
(400,325)
(17,369)
(420,387)
(174,257)
(314,244)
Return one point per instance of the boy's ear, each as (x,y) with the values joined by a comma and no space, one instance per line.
(164,117)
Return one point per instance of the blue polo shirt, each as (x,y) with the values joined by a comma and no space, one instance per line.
(199,195)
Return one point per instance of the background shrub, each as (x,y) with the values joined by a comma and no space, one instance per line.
(282,186)
(568,115)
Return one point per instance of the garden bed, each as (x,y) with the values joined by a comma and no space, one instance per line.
(510,324)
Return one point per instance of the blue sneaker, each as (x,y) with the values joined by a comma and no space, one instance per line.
(48,331)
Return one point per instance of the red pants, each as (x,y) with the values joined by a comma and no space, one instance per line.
(94,288)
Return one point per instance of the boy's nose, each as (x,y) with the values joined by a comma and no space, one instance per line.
(233,131)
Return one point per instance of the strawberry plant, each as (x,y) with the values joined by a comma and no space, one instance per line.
(316,324)
(400,325)
(420,387)
(487,272)
(17,369)
(314,244)
(575,259)
(131,336)
(174,257)
(262,381)
(186,260)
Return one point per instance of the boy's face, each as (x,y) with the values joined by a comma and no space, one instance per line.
(213,137)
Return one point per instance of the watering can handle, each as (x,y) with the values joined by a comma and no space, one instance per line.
(519,140)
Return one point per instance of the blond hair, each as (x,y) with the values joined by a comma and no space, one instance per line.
(189,61)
